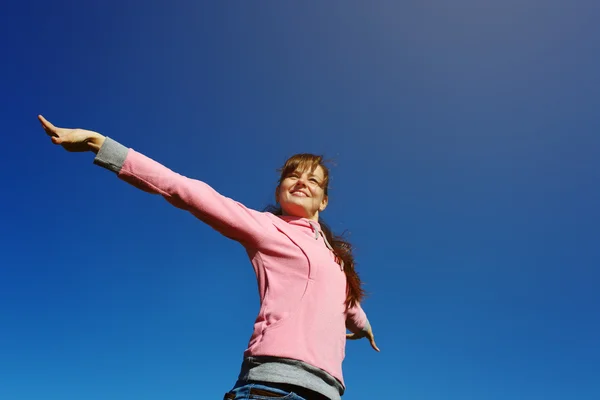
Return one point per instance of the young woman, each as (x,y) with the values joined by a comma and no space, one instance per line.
(309,291)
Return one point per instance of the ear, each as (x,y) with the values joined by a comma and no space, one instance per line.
(324,203)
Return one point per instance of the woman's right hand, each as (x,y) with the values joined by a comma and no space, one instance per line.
(366,333)
(75,140)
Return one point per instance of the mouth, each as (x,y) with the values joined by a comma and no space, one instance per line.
(299,193)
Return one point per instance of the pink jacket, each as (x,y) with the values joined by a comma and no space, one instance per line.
(302,289)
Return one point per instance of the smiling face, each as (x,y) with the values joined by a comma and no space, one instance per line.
(302,190)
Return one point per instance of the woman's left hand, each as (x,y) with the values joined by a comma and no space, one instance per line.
(368,333)
(74,140)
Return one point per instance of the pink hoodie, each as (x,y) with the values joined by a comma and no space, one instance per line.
(302,289)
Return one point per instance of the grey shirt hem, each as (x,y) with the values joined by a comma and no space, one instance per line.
(292,372)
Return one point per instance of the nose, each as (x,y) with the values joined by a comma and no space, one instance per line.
(302,181)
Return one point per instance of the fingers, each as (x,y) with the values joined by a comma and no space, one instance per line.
(373,345)
(371,338)
(45,122)
(354,336)
(48,127)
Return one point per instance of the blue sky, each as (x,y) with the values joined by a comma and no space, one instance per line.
(467,148)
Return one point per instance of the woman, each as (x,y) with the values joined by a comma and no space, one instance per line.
(309,291)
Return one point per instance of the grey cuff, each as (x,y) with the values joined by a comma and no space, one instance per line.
(111,155)
(367,327)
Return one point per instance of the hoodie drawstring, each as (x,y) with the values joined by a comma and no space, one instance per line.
(319,232)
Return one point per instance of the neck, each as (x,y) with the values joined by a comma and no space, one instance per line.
(314,217)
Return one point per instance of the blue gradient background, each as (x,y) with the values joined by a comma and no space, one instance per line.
(466,137)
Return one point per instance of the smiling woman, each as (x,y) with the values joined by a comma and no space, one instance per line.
(309,290)
(303,190)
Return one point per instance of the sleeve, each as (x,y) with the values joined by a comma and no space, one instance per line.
(230,218)
(356,320)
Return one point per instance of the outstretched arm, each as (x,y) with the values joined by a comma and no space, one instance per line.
(227,216)
(358,323)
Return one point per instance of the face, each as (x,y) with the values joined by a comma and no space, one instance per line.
(301,193)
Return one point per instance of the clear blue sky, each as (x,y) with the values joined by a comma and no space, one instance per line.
(466,137)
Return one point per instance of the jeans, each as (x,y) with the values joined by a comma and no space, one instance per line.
(257,391)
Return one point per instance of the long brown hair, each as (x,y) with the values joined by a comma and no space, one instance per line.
(341,247)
